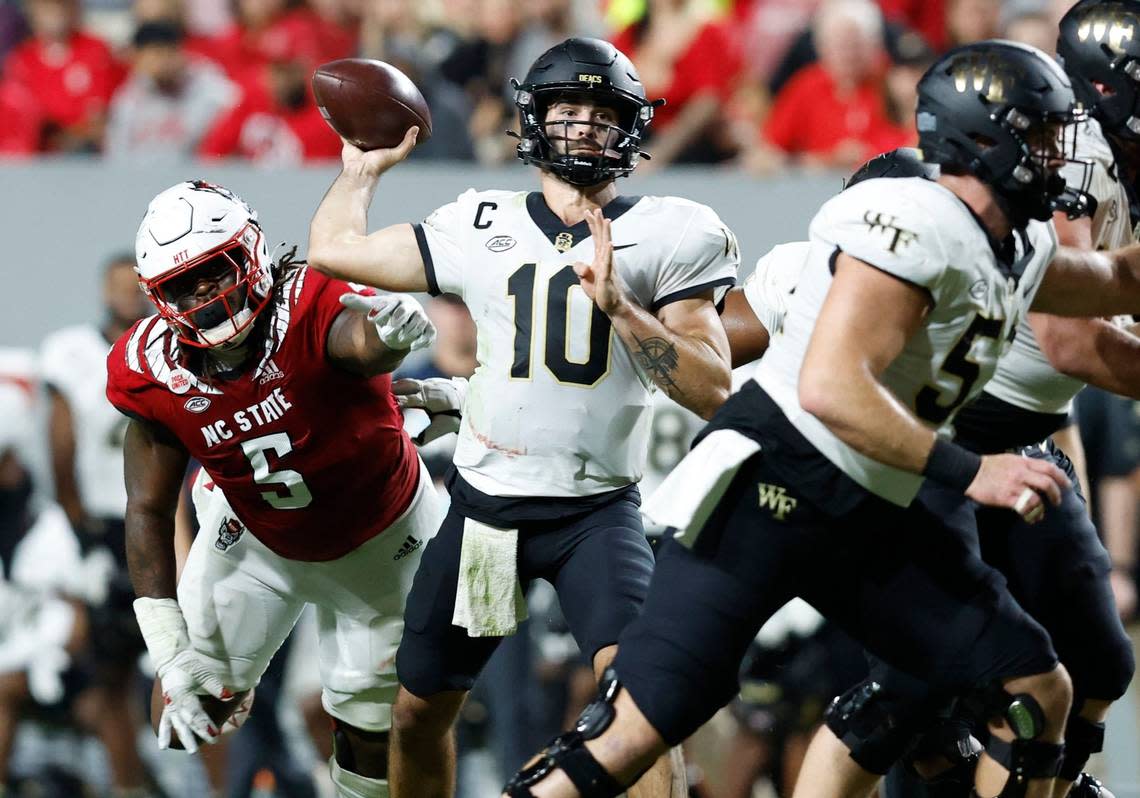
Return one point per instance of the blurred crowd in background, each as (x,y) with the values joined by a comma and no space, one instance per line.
(754,84)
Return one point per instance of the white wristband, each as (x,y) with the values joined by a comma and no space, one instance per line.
(163,629)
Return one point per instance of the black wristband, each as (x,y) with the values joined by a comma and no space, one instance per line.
(951,464)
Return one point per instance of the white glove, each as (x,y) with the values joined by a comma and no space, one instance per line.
(400,321)
(183,675)
(439,397)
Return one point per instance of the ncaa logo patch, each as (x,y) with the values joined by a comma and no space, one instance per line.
(197,404)
(501,243)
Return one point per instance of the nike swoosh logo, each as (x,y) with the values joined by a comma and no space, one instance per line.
(623,246)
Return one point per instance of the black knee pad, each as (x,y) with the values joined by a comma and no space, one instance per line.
(343,752)
(568,751)
(862,719)
(1026,757)
(1083,738)
(949,739)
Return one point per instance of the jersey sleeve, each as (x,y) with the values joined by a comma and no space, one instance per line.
(882,223)
(775,278)
(317,304)
(706,257)
(127,389)
(439,238)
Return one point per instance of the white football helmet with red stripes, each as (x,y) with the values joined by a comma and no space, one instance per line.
(203,262)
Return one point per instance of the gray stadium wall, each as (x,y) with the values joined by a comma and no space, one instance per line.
(61,220)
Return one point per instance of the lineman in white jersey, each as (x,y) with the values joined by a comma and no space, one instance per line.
(1057,569)
(557,415)
(86,438)
(803,483)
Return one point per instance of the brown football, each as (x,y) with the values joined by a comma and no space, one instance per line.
(370,103)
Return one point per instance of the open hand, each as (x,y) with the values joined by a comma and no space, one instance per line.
(600,280)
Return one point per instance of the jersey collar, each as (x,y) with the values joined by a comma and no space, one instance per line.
(561,236)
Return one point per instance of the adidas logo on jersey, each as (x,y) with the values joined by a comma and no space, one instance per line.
(271,373)
(409,545)
(229,533)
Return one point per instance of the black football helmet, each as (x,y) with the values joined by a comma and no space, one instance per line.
(903,162)
(1100,44)
(1005,113)
(591,69)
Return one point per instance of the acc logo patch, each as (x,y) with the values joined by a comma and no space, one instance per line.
(501,243)
(197,404)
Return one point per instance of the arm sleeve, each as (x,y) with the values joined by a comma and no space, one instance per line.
(441,246)
(706,257)
(768,288)
(125,387)
(883,225)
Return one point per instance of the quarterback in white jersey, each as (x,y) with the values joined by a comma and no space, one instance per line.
(802,483)
(585,302)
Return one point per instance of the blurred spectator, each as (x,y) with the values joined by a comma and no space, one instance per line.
(972,21)
(23,120)
(71,74)
(391,31)
(1032,27)
(910,58)
(480,65)
(926,17)
(86,436)
(833,113)
(692,61)
(170,101)
(12,27)
(266,31)
(276,123)
(768,28)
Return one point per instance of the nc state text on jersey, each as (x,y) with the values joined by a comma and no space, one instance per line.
(268,409)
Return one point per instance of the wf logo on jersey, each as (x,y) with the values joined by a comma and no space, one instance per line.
(256,415)
(776,499)
(887,223)
(229,532)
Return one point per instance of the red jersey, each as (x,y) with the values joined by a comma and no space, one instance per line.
(72,81)
(313,459)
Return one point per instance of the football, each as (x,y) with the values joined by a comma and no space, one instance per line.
(370,103)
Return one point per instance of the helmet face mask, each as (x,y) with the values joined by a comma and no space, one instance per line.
(1006,114)
(203,263)
(582,72)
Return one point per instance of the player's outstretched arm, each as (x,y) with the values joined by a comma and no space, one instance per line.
(866,320)
(373,334)
(1081,283)
(339,242)
(683,349)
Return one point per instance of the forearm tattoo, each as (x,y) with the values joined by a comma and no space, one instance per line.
(659,359)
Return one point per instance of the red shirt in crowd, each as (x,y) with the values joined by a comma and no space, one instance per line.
(809,117)
(72,81)
(299,35)
(23,120)
(259,129)
(927,17)
(711,63)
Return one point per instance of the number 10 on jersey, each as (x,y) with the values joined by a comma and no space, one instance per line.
(520,286)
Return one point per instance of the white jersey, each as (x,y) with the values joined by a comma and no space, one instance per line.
(73,361)
(920,232)
(1024,377)
(557,405)
(773,282)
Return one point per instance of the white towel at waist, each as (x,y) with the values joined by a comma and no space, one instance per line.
(488,598)
(688,495)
